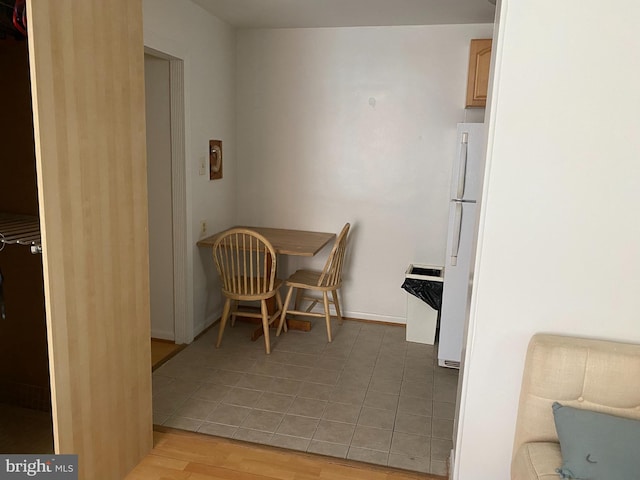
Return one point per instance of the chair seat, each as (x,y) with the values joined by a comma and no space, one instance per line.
(536,461)
(253,296)
(307,279)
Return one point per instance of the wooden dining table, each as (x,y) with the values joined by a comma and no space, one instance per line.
(300,243)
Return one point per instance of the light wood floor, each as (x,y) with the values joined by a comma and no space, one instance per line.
(163,350)
(185,455)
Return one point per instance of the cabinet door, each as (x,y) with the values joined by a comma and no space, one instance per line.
(479,65)
(87,72)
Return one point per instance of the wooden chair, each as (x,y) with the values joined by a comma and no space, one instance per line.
(328,280)
(246,263)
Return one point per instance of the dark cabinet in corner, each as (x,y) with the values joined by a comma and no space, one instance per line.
(478,80)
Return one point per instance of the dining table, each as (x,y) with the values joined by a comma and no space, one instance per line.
(285,241)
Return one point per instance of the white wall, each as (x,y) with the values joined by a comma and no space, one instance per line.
(358,125)
(158,115)
(559,244)
(207,47)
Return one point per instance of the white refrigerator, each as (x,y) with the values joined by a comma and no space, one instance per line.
(466,185)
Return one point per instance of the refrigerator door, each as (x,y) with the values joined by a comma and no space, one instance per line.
(467,178)
(457,282)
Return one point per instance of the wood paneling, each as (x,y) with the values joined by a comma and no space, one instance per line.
(88,101)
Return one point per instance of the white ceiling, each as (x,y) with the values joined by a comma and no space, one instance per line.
(347,13)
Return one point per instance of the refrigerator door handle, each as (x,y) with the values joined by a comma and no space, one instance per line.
(457,227)
(462,165)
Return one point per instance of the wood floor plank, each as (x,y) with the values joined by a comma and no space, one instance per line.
(212,471)
(164,462)
(144,472)
(162,351)
(181,455)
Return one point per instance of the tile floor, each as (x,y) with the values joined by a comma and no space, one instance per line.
(369,395)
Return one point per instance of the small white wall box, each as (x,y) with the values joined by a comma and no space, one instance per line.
(422,319)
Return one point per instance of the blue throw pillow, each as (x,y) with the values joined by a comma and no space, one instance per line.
(597,446)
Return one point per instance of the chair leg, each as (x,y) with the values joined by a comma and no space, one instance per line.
(265,325)
(312,304)
(280,309)
(234,309)
(299,295)
(327,314)
(223,321)
(283,316)
(334,294)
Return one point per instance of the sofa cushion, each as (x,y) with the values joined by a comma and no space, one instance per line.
(597,445)
(536,461)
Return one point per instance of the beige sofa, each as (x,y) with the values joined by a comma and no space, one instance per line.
(590,374)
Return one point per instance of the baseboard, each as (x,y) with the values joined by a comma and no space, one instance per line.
(163,334)
(386,319)
(211,321)
(206,329)
(361,316)
(377,322)
(450,464)
(162,340)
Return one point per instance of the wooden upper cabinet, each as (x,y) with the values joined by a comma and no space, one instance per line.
(478,81)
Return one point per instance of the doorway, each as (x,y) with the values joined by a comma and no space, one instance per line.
(164,105)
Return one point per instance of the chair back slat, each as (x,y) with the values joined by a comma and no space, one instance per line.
(332,272)
(246,262)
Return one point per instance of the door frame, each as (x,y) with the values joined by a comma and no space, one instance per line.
(182,332)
